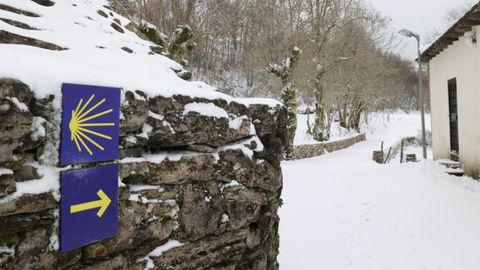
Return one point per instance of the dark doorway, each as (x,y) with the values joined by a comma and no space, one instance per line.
(453,117)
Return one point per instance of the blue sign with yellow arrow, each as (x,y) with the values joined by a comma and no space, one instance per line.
(89,201)
(90,124)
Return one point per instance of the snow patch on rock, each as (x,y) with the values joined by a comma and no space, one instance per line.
(20,105)
(158,251)
(48,183)
(207,109)
(38,128)
(5,171)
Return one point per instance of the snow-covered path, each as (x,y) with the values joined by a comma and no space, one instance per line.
(343,211)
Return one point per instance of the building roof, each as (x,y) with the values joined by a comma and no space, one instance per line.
(457,30)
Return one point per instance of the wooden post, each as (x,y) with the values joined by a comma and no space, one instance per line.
(377,157)
(387,158)
(411,158)
(401,151)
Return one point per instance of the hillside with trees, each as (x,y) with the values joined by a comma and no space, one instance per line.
(346,70)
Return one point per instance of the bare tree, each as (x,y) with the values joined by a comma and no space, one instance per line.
(345,70)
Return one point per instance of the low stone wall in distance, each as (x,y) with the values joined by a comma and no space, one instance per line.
(314,150)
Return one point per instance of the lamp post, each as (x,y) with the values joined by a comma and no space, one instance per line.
(410,34)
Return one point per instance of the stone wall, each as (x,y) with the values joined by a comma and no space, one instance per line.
(196,192)
(313,150)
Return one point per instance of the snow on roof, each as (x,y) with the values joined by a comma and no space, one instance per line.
(92,37)
(452,33)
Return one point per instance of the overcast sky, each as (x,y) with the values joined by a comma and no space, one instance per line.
(420,16)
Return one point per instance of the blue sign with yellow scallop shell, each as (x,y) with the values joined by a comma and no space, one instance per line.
(90,124)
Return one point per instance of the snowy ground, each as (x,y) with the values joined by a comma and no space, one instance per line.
(343,211)
(302,136)
(377,124)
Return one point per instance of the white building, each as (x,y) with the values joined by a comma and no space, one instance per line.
(454,69)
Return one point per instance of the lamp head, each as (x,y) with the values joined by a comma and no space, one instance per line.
(406,32)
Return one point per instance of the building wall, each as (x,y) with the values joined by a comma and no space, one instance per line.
(461,61)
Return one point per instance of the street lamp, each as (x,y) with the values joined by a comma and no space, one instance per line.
(410,34)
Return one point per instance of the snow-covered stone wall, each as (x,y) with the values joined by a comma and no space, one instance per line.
(200,183)
(318,149)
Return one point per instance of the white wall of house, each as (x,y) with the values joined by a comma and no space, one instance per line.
(460,61)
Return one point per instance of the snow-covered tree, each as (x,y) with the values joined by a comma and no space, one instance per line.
(176,47)
(285,71)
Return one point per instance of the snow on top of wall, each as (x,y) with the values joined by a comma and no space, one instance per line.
(93,54)
(207,109)
(251,101)
(4,171)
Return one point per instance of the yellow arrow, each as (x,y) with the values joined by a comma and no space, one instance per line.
(103,204)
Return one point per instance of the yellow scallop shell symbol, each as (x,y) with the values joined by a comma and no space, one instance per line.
(80,127)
